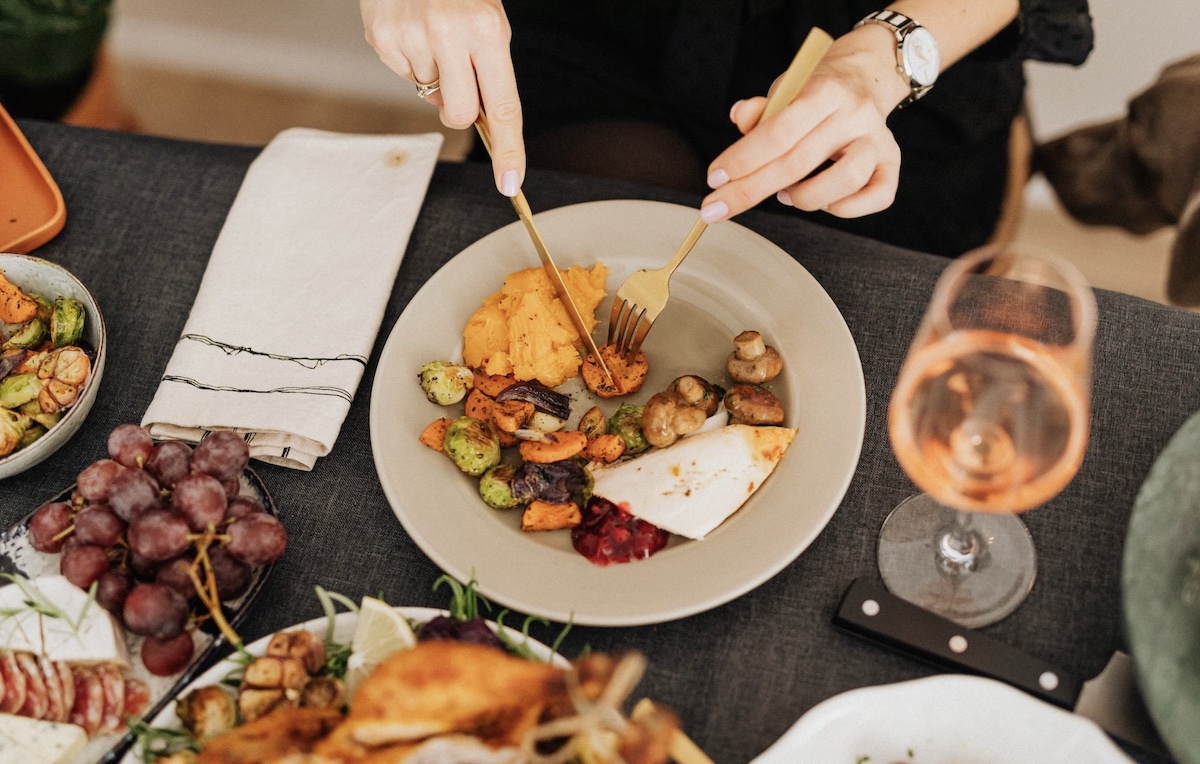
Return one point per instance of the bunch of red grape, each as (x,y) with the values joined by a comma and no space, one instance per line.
(156,526)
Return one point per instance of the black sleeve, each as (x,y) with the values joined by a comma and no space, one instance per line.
(1058,31)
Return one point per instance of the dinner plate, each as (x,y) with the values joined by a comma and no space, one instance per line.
(943,719)
(1161,591)
(733,280)
(17,555)
(343,632)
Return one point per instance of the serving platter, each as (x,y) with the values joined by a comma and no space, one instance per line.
(17,556)
(943,719)
(343,631)
(733,280)
(1160,583)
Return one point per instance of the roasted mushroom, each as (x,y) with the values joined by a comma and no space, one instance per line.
(679,410)
(697,391)
(667,416)
(207,712)
(748,404)
(752,361)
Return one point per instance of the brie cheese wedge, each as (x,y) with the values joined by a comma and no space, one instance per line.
(33,741)
(87,634)
(692,486)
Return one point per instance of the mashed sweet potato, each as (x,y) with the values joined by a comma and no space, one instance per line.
(524,330)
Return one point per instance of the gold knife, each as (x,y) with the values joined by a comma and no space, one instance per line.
(526,215)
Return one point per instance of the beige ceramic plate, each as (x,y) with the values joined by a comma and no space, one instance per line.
(733,280)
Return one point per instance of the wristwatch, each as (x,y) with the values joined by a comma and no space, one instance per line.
(916,51)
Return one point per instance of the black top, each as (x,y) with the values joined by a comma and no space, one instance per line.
(683,63)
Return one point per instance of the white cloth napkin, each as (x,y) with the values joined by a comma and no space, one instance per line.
(294,293)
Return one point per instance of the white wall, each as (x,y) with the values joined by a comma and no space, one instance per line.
(319,44)
(315,44)
(1134,39)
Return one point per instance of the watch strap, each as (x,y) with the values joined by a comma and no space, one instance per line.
(900,26)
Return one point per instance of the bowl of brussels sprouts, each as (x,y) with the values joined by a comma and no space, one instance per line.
(52,351)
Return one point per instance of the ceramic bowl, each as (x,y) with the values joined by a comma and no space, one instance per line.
(33,274)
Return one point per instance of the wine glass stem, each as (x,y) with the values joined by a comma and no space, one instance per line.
(960,549)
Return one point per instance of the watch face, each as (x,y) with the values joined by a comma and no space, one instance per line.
(921,56)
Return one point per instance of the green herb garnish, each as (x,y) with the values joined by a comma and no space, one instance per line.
(160,742)
(464,600)
(37,602)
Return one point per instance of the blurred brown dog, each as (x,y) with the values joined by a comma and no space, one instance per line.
(1141,172)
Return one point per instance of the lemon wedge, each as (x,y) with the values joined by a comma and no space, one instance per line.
(380,631)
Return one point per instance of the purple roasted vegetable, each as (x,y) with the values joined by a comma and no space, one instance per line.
(543,398)
(554,482)
(473,630)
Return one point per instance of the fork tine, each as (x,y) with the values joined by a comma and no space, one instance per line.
(614,317)
(628,320)
(642,331)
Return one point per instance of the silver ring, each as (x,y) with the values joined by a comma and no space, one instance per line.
(424,90)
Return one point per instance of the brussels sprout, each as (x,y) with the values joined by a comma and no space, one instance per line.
(626,421)
(446,383)
(18,389)
(495,487)
(30,336)
(34,432)
(45,310)
(13,425)
(473,444)
(66,323)
(33,410)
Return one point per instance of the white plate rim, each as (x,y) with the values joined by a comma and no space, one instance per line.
(955,712)
(675,583)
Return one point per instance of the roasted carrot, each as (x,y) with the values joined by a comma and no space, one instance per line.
(435,433)
(15,305)
(554,448)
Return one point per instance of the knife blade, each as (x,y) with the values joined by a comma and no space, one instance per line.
(521,205)
(1110,698)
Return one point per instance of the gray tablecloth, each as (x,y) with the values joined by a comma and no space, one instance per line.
(143,214)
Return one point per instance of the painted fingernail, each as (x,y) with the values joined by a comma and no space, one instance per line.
(784,198)
(733,110)
(510,183)
(714,212)
(717,178)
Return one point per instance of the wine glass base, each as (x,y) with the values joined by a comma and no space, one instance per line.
(914,567)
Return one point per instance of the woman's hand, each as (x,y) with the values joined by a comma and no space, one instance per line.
(463,46)
(838,118)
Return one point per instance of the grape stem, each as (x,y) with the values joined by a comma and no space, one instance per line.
(64,533)
(206,590)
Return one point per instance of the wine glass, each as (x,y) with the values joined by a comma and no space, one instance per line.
(989,418)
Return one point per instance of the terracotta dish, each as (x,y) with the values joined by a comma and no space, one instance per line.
(32,211)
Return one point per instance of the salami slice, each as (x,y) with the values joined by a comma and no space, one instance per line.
(67,680)
(36,702)
(56,708)
(137,697)
(114,698)
(14,683)
(88,710)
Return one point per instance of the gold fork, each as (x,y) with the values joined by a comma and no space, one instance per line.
(643,296)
